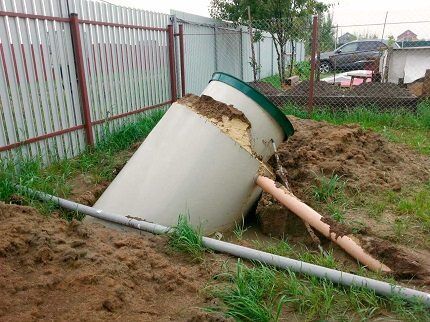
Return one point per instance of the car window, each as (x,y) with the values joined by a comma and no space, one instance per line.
(348,48)
(371,45)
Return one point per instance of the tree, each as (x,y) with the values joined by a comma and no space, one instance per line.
(326,28)
(391,41)
(284,20)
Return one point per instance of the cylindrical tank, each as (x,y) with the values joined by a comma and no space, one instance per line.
(187,165)
(268,122)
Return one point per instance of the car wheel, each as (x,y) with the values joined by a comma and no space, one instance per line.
(325,67)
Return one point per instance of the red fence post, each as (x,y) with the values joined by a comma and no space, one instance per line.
(172,62)
(313,64)
(79,61)
(182,57)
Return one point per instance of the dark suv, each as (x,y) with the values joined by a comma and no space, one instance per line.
(352,55)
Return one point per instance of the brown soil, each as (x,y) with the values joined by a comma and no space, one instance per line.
(321,89)
(405,263)
(212,109)
(228,119)
(55,270)
(368,163)
(85,191)
(337,228)
(325,89)
(380,90)
(265,88)
(364,159)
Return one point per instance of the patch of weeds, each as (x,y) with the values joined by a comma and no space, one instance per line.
(417,205)
(273,80)
(283,248)
(239,229)
(262,293)
(251,295)
(409,311)
(328,189)
(357,226)
(376,209)
(336,211)
(277,247)
(185,238)
(400,227)
(326,260)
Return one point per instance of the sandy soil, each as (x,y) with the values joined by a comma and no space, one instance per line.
(227,118)
(58,271)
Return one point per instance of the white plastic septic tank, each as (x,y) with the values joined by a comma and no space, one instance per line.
(268,122)
(186,165)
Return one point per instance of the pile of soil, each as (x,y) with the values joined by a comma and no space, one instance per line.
(321,89)
(381,90)
(364,159)
(265,88)
(55,270)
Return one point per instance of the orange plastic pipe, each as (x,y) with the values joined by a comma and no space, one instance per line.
(310,216)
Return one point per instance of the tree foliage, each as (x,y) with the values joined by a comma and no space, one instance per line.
(327,33)
(285,20)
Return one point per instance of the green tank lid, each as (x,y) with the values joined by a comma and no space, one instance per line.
(257,97)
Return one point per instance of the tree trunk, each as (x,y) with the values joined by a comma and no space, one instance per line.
(251,39)
(283,54)
(293,55)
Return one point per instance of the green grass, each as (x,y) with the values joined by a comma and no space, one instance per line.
(250,294)
(398,125)
(187,239)
(98,162)
(417,205)
(273,80)
(329,194)
(411,205)
(262,293)
(239,229)
(283,248)
(328,189)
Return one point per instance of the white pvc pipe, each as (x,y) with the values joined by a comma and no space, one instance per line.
(333,275)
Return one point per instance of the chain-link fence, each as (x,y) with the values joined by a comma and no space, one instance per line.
(380,65)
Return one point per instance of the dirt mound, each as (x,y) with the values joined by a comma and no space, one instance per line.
(364,159)
(405,263)
(321,89)
(265,88)
(55,270)
(380,90)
